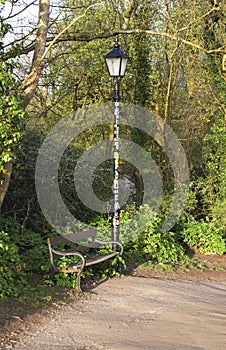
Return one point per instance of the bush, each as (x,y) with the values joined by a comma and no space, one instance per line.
(205,237)
(153,244)
(159,246)
(12,276)
(21,199)
(32,248)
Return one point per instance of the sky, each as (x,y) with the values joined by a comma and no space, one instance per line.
(22,15)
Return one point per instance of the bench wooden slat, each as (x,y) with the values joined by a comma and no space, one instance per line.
(71,269)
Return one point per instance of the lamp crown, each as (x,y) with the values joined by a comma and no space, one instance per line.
(116,46)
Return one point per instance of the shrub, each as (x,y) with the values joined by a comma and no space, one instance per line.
(32,248)
(12,276)
(152,243)
(205,237)
(159,246)
(21,199)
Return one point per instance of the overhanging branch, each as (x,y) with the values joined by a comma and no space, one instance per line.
(86,37)
(174,37)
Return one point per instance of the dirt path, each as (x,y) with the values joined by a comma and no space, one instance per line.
(138,313)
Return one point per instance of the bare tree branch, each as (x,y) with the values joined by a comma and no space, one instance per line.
(57,38)
(213,9)
(174,37)
(10,16)
(84,37)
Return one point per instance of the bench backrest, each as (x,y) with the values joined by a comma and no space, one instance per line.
(72,237)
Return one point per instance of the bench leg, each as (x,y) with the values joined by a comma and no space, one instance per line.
(52,272)
(121,268)
(79,281)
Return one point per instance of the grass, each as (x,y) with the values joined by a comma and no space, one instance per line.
(187,265)
(38,294)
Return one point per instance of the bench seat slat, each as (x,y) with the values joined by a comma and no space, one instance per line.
(100,258)
(91,261)
(70,269)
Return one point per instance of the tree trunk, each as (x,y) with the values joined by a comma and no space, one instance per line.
(6,175)
(30,83)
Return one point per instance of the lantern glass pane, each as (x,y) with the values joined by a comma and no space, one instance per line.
(113,65)
(123,66)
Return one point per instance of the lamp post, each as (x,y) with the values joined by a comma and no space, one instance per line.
(116,62)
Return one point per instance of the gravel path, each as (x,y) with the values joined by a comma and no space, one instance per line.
(131,313)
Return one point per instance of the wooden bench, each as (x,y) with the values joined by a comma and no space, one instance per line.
(74,239)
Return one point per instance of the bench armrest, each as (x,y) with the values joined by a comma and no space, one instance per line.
(111,242)
(67,253)
(57,252)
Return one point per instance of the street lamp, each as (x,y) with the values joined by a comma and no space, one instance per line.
(116,62)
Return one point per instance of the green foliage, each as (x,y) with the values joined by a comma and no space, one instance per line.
(21,199)
(151,244)
(110,267)
(32,248)
(12,277)
(66,280)
(213,186)
(141,60)
(158,246)
(205,237)
(11,113)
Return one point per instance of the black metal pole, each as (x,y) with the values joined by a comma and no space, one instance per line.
(116,217)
